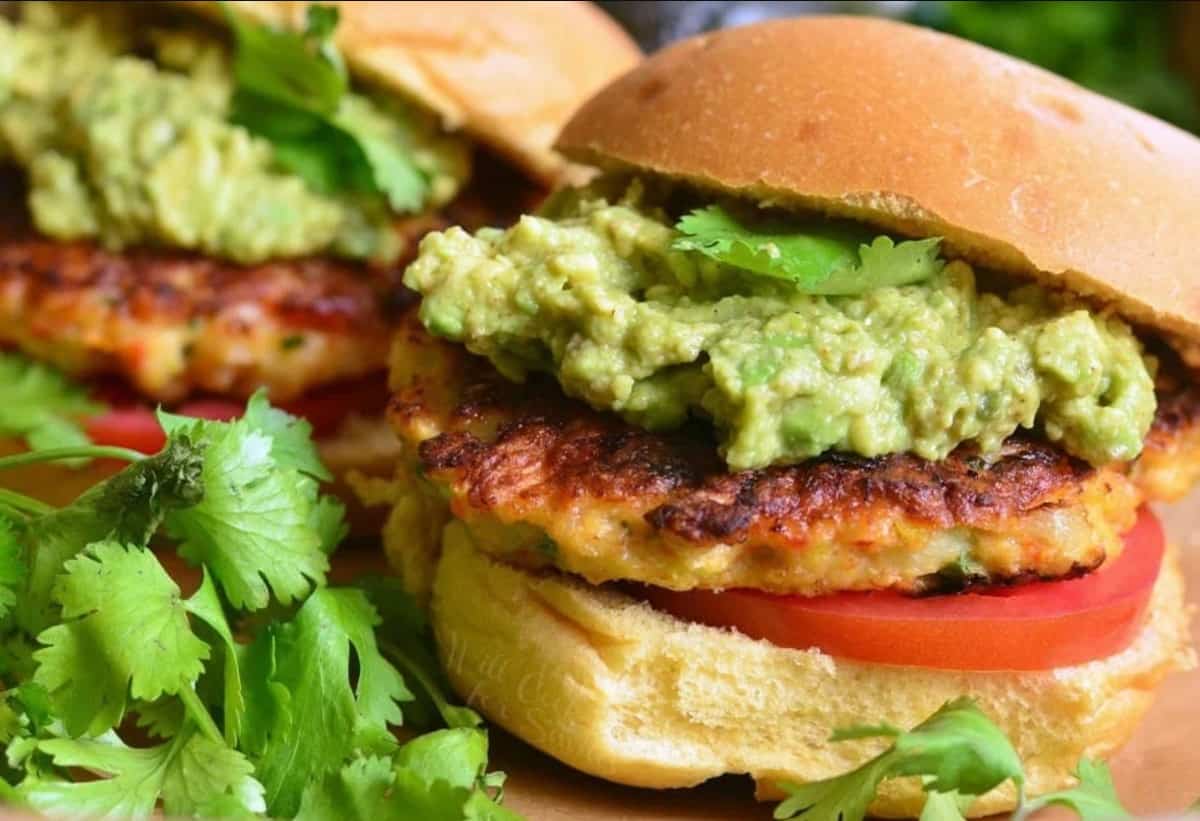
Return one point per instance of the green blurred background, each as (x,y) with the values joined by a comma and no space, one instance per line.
(1144,53)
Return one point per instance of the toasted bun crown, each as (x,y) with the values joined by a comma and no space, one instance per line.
(922,134)
(508,73)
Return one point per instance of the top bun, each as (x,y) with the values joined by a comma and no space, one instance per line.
(926,135)
(508,73)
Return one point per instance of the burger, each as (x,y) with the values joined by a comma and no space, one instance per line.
(838,395)
(205,200)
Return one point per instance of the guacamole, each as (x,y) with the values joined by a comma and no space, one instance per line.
(123,131)
(598,297)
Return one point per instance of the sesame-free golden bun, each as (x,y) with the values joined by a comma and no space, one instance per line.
(508,73)
(922,134)
(614,688)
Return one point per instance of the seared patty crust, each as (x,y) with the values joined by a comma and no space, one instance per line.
(174,324)
(544,480)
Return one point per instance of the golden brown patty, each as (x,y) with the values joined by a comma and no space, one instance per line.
(1170,464)
(541,479)
(173,324)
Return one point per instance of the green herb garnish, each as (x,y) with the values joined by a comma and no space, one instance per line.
(41,406)
(265,692)
(1095,799)
(957,750)
(831,260)
(959,754)
(292,88)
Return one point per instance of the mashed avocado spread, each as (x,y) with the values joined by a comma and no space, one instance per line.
(600,294)
(123,129)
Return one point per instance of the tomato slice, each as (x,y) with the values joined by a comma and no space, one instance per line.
(1037,626)
(326,408)
(137,427)
(133,425)
(218,410)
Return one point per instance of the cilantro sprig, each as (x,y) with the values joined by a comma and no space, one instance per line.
(292,89)
(959,754)
(263,691)
(830,260)
(41,406)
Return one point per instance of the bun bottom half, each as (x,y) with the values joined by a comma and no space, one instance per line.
(614,688)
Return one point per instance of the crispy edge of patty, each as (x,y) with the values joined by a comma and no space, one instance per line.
(544,480)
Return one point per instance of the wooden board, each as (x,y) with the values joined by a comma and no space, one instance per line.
(1157,773)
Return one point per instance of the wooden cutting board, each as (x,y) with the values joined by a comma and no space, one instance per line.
(1157,773)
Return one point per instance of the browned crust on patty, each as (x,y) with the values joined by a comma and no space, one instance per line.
(1170,462)
(542,479)
(568,456)
(308,294)
(172,324)
(495,435)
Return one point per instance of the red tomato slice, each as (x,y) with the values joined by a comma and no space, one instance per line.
(218,410)
(1036,626)
(327,407)
(135,426)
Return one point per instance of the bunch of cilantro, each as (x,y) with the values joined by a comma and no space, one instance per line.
(262,691)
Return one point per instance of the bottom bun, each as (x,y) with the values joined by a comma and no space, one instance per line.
(617,689)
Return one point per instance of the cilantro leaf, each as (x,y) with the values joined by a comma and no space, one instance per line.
(251,529)
(191,774)
(125,633)
(391,166)
(160,719)
(409,644)
(844,798)
(205,605)
(16,658)
(283,66)
(306,716)
(291,437)
(41,405)
(292,445)
(946,806)
(828,260)
(456,756)
(359,791)
(439,776)
(328,520)
(13,570)
(319,24)
(291,88)
(957,749)
(1095,799)
(125,508)
(482,807)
